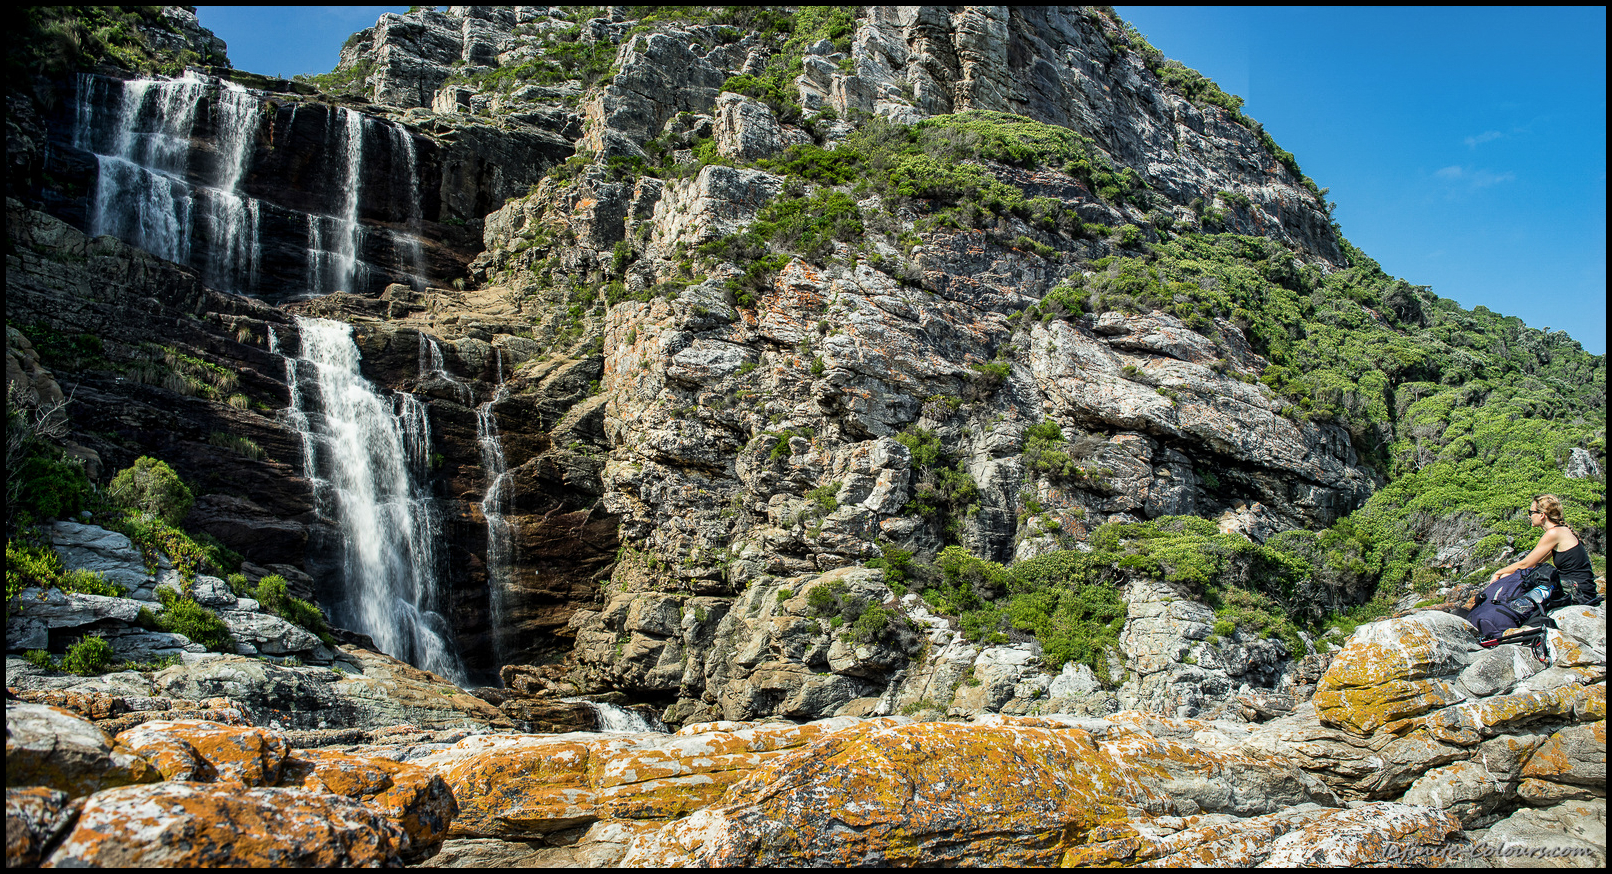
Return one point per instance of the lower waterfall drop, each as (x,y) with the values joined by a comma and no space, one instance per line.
(495,501)
(368,457)
(495,506)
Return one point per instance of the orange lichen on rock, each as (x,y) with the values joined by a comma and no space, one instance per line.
(209,751)
(1576,754)
(179,824)
(417,800)
(531,785)
(875,794)
(518,785)
(1392,670)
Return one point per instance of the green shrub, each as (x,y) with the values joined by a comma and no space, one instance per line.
(823,497)
(239,585)
(91,655)
(29,566)
(156,538)
(273,597)
(897,565)
(39,659)
(874,624)
(151,486)
(51,485)
(182,615)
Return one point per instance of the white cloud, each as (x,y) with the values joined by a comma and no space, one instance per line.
(1485,178)
(1473,142)
(1473,179)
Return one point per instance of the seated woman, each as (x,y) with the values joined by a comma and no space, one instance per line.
(1494,611)
(1561,545)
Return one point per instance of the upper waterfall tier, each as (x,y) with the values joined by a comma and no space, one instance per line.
(273,197)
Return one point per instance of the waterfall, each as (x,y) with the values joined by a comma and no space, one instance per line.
(334,240)
(368,458)
(147,193)
(495,501)
(234,216)
(613,718)
(495,506)
(409,244)
(172,157)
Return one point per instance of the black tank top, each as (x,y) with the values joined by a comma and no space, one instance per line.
(1573,563)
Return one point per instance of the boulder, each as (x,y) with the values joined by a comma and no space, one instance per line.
(185,825)
(270,635)
(51,747)
(1466,789)
(209,752)
(93,548)
(515,787)
(1395,669)
(416,800)
(35,817)
(1038,792)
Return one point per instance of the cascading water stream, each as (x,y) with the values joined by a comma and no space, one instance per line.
(145,191)
(334,240)
(368,458)
(495,507)
(495,501)
(409,244)
(620,719)
(172,156)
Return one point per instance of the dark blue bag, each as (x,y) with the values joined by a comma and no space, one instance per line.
(1516,599)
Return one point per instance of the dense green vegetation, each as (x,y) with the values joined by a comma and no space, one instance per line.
(1463,411)
(60,39)
(943,490)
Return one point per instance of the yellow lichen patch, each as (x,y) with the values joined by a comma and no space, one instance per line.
(209,751)
(1567,651)
(1568,755)
(666,798)
(1364,709)
(1493,714)
(1590,702)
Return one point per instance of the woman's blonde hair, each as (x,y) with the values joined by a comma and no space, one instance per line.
(1551,506)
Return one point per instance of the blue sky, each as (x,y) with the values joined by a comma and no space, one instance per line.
(1466,148)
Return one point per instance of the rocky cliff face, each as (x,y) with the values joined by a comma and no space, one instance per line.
(872,371)
(661,392)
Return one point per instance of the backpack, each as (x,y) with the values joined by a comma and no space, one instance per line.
(1522,598)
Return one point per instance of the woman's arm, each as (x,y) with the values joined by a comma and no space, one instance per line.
(1541,551)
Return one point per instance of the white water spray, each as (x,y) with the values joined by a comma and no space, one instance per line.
(146,192)
(495,501)
(365,455)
